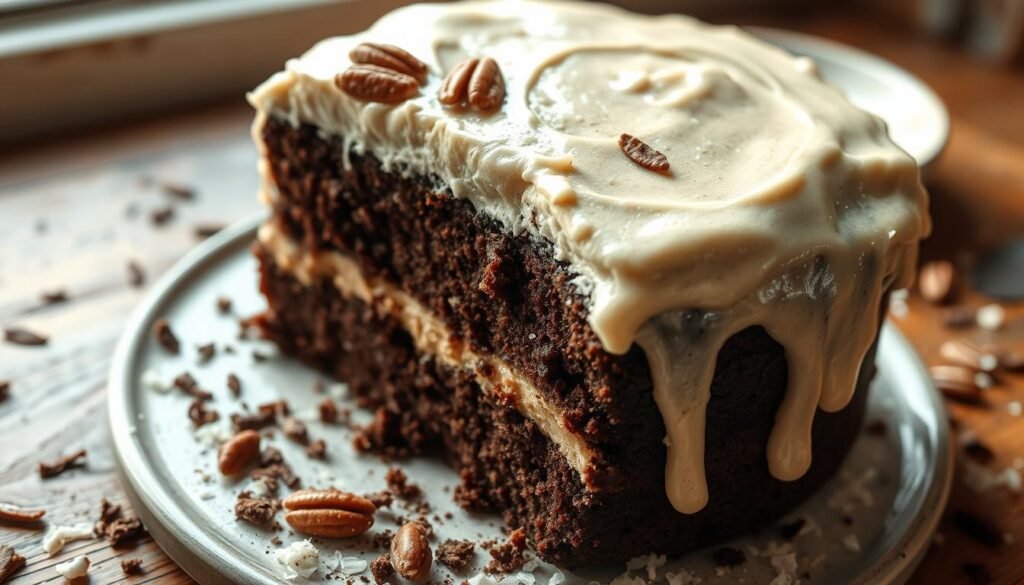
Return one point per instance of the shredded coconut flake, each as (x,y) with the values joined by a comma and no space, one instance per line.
(75,568)
(852,543)
(299,559)
(152,380)
(55,540)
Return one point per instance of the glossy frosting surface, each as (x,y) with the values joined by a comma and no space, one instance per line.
(785,206)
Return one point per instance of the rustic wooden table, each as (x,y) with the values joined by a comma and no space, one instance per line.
(74,214)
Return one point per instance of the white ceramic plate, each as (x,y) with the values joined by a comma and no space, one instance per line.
(918,121)
(893,487)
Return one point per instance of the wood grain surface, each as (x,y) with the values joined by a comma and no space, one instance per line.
(74,213)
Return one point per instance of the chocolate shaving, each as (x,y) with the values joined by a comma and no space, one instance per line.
(5,389)
(21,336)
(136,275)
(455,554)
(254,422)
(160,217)
(317,449)
(206,352)
(639,152)
(178,191)
(10,562)
(205,230)
(295,430)
(187,384)
(235,387)
(54,297)
(398,484)
(389,57)
(165,336)
(199,415)
(48,470)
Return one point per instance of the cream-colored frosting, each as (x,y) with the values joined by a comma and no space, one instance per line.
(432,337)
(785,206)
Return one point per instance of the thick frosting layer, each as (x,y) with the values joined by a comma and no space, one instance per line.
(785,206)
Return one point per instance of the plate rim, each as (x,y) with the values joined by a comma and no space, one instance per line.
(196,552)
(867,62)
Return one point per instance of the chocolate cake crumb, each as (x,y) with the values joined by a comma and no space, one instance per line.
(328,411)
(317,449)
(224,305)
(187,384)
(727,556)
(978,451)
(508,556)
(977,573)
(272,467)
(276,408)
(205,230)
(54,297)
(790,530)
(258,511)
(136,275)
(109,512)
(977,528)
(259,357)
(48,470)
(132,567)
(22,336)
(10,562)
(180,192)
(295,430)
(252,422)
(5,389)
(161,216)
(234,386)
(455,554)
(381,569)
(199,415)
(381,499)
(398,484)
(206,352)
(165,336)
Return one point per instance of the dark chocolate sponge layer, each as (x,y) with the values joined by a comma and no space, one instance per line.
(495,290)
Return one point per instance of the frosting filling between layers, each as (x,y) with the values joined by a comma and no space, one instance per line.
(785,206)
(432,337)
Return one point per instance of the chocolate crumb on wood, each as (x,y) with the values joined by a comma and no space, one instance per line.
(132,567)
(10,562)
(22,336)
(136,274)
(109,512)
(165,336)
(54,297)
(455,554)
(200,415)
(508,556)
(48,470)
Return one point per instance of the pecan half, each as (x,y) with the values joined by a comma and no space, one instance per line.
(238,452)
(13,513)
(477,82)
(328,513)
(390,57)
(639,152)
(371,83)
(410,552)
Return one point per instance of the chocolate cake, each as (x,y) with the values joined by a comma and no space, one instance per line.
(625,274)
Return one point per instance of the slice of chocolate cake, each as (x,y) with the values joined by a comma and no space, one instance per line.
(624,273)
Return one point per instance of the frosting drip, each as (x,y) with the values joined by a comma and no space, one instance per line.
(785,206)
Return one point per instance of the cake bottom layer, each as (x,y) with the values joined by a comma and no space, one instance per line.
(504,461)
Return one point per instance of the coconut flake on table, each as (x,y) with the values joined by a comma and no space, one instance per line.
(299,559)
(58,536)
(75,568)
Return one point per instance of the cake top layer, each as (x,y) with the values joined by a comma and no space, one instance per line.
(782,205)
